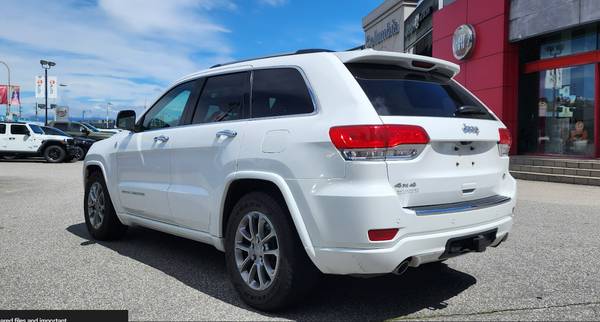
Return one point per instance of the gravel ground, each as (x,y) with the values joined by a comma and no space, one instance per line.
(549,269)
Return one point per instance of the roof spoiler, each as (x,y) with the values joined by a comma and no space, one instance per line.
(408,61)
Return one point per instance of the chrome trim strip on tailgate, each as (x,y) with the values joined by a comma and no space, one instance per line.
(460,206)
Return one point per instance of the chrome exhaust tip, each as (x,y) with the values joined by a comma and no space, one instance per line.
(400,269)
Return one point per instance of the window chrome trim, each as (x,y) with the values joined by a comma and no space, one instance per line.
(246,68)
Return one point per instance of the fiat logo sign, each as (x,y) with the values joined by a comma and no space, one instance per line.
(463,41)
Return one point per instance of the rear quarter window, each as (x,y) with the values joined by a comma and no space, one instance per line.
(395,91)
(2,128)
(279,92)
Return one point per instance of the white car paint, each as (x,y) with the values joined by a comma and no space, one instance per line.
(179,186)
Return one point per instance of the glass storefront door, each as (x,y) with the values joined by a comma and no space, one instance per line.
(566,111)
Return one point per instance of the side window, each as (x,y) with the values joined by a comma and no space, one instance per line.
(18,129)
(2,128)
(279,91)
(168,111)
(223,98)
(61,126)
(74,127)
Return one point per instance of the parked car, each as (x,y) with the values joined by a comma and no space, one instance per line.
(101,130)
(82,145)
(354,163)
(21,140)
(78,129)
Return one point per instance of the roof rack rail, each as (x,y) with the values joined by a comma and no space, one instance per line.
(297,52)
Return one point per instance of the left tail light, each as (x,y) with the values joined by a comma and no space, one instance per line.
(505,142)
(379,142)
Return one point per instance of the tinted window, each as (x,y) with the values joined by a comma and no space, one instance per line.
(61,126)
(53,131)
(18,129)
(280,91)
(75,127)
(223,98)
(2,128)
(36,129)
(396,91)
(168,111)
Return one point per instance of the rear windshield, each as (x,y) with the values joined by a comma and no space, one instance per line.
(396,91)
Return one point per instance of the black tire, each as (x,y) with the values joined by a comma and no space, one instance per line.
(110,227)
(78,153)
(55,154)
(295,273)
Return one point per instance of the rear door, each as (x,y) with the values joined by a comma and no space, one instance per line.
(462,160)
(20,139)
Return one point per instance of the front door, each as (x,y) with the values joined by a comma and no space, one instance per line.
(143,159)
(205,153)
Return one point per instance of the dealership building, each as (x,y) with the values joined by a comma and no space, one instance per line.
(535,63)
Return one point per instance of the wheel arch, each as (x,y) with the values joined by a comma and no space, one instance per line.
(243,182)
(48,143)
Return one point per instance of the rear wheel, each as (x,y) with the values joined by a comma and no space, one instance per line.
(100,216)
(78,153)
(55,154)
(265,259)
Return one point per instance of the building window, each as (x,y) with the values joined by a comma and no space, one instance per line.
(569,42)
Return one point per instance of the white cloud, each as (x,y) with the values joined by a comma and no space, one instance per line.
(343,37)
(121,51)
(274,3)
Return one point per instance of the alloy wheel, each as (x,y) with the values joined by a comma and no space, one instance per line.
(257,250)
(96,205)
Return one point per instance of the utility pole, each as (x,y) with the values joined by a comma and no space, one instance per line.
(107,105)
(46,65)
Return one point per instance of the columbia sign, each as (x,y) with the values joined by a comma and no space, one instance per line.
(463,41)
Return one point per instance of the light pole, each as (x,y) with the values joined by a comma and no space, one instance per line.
(107,106)
(8,96)
(46,65)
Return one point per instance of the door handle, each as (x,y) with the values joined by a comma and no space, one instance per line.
(227,133)
(11,138)
(161,138)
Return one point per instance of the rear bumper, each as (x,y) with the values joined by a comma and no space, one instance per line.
(420,248)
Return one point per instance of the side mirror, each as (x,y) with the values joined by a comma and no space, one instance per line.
(84,130)
(126,120)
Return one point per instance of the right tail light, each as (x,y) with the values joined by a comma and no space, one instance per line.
(505,142)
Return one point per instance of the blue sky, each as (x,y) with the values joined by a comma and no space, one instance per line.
(127,51)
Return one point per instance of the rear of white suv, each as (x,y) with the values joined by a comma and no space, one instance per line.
(357,163)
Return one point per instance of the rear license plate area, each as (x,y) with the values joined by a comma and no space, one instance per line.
(471,243)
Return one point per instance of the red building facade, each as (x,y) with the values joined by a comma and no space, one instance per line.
(491,71)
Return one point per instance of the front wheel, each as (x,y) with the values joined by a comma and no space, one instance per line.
(265,259)
(55,154)
(100,216)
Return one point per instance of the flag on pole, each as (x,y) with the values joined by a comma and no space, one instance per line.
(16,95)
(3,94)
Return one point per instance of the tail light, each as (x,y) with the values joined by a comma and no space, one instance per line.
(379,142)
(505,142)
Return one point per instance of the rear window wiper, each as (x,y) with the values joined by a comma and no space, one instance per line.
(470,109)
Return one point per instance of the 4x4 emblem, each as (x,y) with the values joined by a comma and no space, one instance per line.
(470,129)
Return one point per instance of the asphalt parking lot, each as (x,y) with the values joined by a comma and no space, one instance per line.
(549,269)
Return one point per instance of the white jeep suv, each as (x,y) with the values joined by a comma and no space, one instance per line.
(19,139)
(357,163)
